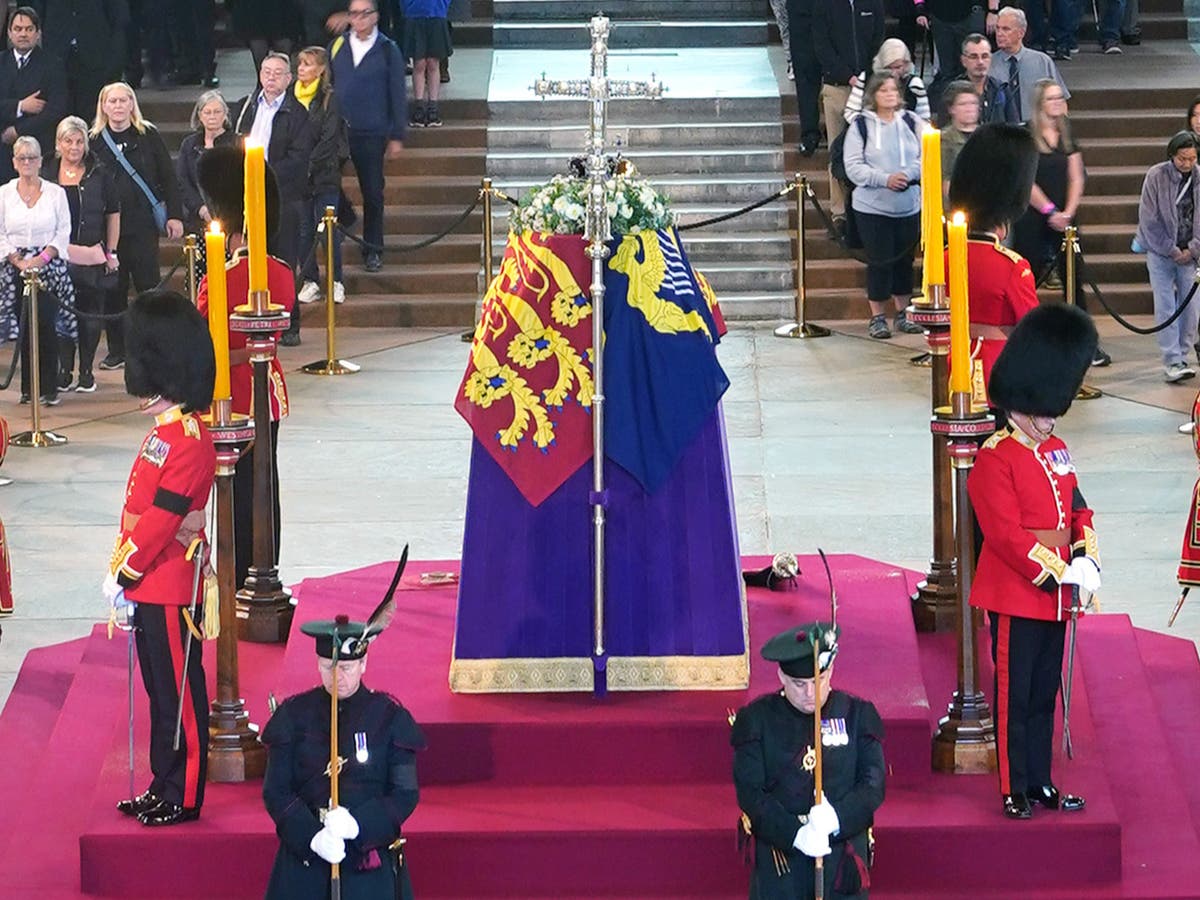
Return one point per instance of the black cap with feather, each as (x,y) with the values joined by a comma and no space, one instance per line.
(221,173)
(342,639)
(993,175)
(1041,367)
(168,350)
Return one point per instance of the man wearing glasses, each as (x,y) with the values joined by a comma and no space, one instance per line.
(368,79)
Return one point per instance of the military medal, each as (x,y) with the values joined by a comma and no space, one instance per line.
(360,747)
(834,733)
(1060,461)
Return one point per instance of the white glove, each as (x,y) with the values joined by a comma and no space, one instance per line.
(339,822)
(1083,572)
(113,592)
(823,817)
(811,841)
(328,846)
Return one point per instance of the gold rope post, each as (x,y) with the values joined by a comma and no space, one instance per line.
(35,437)
(330,365)
(190,260)
(1070,248)
(801,327)
(486,192)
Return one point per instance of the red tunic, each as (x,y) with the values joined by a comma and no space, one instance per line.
(1017,487)
(172,476)
(1189,556)
(1002,290)
(282,286)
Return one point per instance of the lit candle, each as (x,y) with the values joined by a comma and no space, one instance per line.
(218,308)
(931,205)
(256,214)
(960,325)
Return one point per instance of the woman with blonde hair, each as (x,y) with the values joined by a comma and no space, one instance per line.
(893,59)
(92,259)
(134,151)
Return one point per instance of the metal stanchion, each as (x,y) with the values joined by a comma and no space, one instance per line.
(330,365)
(801,328)
(35,437)
(1070,249)
(191,255)
(485,192)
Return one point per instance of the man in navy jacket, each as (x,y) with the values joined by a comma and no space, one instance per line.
(368,79)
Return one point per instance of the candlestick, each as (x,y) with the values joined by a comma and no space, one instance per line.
(256,214)
(218,308)
(960,327)
(931,205)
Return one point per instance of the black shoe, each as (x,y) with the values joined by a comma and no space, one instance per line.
(111,362)
(211,81)
(139,804)
(373,262)
(24,399)
(433,116)
(1131,40)
(51,399)
(87,383)
(66,381)
(1049,797)
(808,147)
(1111,48)
(1016,806)
(1101,359)
(1062,54)
(168,813)
(290,339)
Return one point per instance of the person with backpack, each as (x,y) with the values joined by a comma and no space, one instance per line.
(892,57)
(882,159)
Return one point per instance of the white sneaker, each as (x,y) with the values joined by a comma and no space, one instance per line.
(1187,428)
(339,292)
(309,293)
(1177,372)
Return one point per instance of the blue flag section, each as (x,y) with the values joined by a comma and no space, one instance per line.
(662,380)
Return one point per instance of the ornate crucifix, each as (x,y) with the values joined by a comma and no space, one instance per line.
(598,90)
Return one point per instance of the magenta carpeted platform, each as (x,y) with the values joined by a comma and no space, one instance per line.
(566,796)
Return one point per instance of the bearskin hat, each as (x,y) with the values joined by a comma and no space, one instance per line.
(222,176)
(1042,365)
(168,350)
(993,176)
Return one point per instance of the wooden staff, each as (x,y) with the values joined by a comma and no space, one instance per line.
(818,790)
(335,869)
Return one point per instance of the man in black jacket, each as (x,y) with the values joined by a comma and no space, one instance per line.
(846,37)
(273,116)
(950,21)
(33,89)
(89,37)
(807,72)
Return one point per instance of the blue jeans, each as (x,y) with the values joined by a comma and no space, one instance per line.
(311,214)
(1170,283)
(366,152)
(1111,14)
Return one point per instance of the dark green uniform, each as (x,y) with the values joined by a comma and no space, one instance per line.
(378,740)
(771,739)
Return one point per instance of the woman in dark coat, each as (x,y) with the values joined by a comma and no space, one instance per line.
(210,128)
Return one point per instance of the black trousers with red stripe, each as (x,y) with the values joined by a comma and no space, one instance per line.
(161,634)
(1028,654)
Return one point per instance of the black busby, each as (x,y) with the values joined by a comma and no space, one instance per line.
(993,176)
(1042,365)
(168,350)
(222,176)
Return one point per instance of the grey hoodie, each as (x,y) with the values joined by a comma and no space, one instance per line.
(890,147)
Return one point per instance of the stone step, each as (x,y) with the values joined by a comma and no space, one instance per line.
(737,189)
(399,277)
(385,310)
(634,113)
(645,134)
(1156,26)
(633,35)
(620,11)
(656,162)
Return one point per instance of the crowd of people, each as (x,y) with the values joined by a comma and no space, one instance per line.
(90,186)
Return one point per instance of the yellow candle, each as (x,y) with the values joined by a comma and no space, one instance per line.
(960,323)
(256,214)
(931,205)
(218,308)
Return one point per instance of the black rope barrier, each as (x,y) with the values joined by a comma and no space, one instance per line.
(22,320)
(778,195)
(1125,323)
(838,238)
(419,245)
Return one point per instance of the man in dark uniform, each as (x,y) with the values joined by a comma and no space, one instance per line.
(1038,542)
(377,743)
(169,366)
(773,766)
(991,184)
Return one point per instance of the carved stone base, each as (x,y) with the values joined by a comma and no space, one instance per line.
(935,603)
(264,608)
(965,742)
(234,751)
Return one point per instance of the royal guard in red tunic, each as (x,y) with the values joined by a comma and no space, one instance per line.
(222,177)
(168,365)
(1189,556)
(991,183)
(1039,547)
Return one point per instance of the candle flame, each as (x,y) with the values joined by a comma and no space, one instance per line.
(214,227)
(959,218)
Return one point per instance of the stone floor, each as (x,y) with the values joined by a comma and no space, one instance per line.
(829,446)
